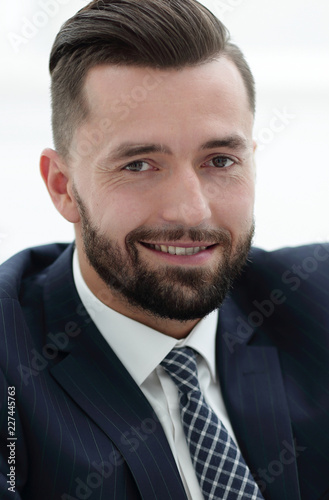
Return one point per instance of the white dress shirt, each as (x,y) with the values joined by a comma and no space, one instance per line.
(141,350)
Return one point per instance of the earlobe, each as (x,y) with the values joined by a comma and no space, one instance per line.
(56,176)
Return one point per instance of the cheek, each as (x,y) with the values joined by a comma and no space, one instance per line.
(118,214)
(233,206)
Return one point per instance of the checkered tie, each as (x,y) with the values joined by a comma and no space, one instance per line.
(219,465)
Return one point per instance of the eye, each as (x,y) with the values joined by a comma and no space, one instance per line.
(220,162)
(138,166)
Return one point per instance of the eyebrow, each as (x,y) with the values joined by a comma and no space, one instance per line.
(231,141)
(128,150)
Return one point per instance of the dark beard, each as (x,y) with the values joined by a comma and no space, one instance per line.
(170,292)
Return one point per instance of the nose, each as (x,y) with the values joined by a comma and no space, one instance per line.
(184,200)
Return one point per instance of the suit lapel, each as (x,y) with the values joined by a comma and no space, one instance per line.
(96,380)
(251,381)
(255,399)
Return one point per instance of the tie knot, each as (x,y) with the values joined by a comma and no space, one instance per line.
(181,365)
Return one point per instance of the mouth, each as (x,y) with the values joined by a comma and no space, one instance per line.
(177,250)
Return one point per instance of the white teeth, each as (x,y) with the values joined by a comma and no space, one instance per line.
(177,250)
(180,251)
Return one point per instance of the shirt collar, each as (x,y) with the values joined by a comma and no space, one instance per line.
(203,340)
(140,348)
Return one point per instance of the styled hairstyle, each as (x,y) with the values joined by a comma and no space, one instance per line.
(162,34)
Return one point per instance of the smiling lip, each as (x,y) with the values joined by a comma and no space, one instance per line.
(181,249)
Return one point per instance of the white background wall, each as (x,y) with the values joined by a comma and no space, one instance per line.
(287,46)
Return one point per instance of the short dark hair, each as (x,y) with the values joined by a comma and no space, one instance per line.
(160,34)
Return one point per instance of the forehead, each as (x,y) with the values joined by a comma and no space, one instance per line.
(221,76)
(138,101)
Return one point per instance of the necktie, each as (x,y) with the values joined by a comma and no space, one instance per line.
(219,465)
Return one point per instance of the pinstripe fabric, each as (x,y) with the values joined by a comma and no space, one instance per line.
(274,370)
(84,429)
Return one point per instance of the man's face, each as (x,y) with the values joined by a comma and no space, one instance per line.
(162,172)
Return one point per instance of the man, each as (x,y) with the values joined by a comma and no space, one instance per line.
(153,111)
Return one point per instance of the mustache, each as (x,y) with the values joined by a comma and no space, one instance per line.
(148,234)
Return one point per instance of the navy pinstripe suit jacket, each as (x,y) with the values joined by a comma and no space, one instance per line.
(84,429)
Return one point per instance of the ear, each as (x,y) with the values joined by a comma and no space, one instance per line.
(57,177)
(254,143)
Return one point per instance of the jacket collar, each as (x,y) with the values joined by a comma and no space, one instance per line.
(250,376)
(90,372)
(254,394)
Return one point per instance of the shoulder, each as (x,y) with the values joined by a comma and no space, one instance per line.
(307,262)
(283,295)
(306,255)
(26,265)
(294,276)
